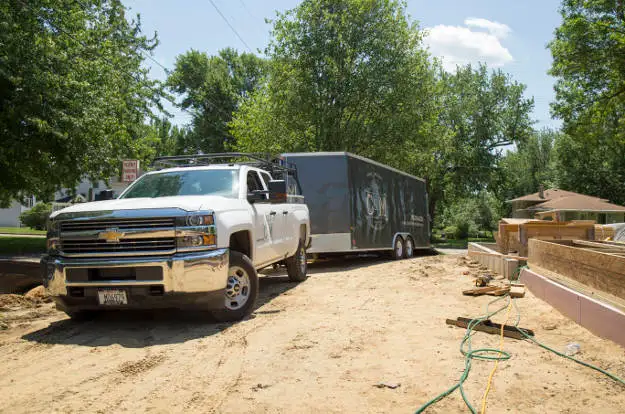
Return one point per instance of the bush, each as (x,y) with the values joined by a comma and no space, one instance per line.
(450,232)
(37,217)
(462,230)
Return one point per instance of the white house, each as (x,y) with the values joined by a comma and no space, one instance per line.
(10,217)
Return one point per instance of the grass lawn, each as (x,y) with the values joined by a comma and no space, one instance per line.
(21,230)
(459,244)
(16,245)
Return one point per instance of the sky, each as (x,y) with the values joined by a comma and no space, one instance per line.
(507,34)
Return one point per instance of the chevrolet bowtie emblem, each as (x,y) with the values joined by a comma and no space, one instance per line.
(111,235)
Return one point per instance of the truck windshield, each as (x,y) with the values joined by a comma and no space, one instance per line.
(186,183)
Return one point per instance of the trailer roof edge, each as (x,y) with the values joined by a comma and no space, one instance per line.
(349,154)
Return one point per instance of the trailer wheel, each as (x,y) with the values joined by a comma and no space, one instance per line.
(409,248)
(398,249)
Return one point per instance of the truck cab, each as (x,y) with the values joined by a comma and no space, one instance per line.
(192,234)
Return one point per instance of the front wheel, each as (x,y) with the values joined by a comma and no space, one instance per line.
(241,290)
(297,265)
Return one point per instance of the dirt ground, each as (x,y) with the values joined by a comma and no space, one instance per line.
(320,346)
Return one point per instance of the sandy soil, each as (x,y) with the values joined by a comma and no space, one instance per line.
(320,346)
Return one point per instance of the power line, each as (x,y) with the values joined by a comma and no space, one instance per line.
(229,25)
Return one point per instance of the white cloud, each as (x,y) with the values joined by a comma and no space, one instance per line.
(499,30)
(459,45)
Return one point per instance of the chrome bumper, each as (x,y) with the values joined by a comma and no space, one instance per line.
(182,273)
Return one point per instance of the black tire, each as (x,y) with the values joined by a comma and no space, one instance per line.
(233,310)
(297,265)
(398,249)
(408,248)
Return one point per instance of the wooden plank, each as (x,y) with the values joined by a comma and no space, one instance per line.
(503,256)
(480,291)
(488,322)
(598,245)
(498,292)
(517,291)
(491,328)
(602,271)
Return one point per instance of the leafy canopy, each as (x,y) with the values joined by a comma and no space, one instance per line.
(212,88)
(73,93)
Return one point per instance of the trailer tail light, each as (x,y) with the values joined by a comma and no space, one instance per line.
(354,242)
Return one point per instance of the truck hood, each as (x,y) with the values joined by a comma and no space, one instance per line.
(186,203)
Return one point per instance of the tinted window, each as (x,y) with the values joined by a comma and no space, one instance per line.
(185,183)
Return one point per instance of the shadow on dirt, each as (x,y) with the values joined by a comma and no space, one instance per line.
(137,329)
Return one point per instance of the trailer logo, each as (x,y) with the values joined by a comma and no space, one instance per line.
(414,221)
(375,202)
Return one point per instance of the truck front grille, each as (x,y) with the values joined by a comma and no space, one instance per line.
(124,245)
(121,224)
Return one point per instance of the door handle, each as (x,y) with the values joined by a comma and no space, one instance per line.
(285,212)
(273,213)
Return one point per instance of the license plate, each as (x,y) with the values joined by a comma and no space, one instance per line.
(112,297)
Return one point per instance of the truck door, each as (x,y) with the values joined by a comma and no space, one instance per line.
(264,216)
(283,225)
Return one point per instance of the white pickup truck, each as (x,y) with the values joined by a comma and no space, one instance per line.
(189,236)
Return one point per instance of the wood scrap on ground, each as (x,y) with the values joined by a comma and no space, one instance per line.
(487,290)
(490,327)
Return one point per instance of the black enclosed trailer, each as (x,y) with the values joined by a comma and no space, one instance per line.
(357,204)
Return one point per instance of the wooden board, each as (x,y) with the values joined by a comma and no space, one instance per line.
(490,327)
(595,269)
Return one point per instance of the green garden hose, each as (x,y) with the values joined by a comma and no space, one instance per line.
(495,354)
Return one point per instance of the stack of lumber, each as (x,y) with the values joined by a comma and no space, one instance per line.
(604,232)
(514,234)
(592,266)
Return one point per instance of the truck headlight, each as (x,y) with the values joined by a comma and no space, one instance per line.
(195,220)
(199,240)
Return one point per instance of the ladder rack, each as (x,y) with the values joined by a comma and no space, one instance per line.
(264,161)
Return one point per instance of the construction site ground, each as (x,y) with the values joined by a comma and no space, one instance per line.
(320,346)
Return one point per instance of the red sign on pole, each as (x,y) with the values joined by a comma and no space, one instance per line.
(130,170)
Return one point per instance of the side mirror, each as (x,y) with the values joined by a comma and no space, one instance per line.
(277,191)
(256,196)
(106,195)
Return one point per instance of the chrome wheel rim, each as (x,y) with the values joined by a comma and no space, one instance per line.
(238,288)
(409,248)
(302,260)
(399,248)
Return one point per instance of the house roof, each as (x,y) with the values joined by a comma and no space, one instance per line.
(578,202)
(549,194)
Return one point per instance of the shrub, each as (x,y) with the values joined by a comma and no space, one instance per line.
(462,230)
(37,217)
(450,232)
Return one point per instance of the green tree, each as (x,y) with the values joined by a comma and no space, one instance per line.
(345,75)
(483,113)
(160,137)
(73,93)
(212,88)
(531,164)
(588,64)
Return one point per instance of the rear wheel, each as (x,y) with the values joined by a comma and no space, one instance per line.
(408,248)
(398,248)
(241,289)
(296,265)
